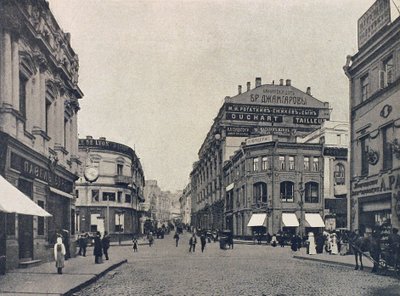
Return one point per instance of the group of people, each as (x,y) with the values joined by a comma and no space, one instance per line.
(101,246)
(331,242)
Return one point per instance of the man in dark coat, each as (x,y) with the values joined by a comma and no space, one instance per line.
(97,251)
(106,244)
(375,250)
(203,241)
(394,244)
(293,243)
(320,241)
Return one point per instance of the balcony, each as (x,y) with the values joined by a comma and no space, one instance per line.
(122,180)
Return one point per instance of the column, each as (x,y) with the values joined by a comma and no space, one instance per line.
(15,73)
(5,69)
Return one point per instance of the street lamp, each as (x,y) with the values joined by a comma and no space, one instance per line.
(301,204)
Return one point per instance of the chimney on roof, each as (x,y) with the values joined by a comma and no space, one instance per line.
(308,91)
(89,137)
(102,138)
(239,89)
(280,81)
(258,81)
(288,82)
(248,85)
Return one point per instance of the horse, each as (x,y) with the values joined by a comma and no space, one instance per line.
(359,246)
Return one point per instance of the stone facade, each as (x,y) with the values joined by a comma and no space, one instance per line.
(111,202)
(39,96)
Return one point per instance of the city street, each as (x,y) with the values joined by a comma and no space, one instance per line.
(246,270)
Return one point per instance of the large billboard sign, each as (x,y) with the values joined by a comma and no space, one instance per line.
(374,19)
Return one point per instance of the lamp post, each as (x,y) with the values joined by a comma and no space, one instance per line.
(301,204)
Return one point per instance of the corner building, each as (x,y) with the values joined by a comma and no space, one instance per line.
(111,202)
(279,110)
(374,75)
(39,96)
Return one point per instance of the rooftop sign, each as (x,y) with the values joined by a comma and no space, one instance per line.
(376,17)
(259,140)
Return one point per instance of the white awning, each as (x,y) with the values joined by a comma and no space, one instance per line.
(59,192)
(14,201)
(229,187)
(290,220)
(257,220)
(314,220)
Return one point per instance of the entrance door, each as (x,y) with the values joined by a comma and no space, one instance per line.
(25,224)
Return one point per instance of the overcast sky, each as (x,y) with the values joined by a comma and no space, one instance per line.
(154,73)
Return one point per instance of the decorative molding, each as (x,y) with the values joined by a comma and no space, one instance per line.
(373,156)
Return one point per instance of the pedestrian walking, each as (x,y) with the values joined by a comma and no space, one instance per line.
(334,244)
(274,240)
(192,243)
(82,243)
(105,242)
(98,248)
(375,250)
(293,243)
(135,245)
(59,255)
(203,242)
(176,237)
(319,241)
(394,245)
(65,240)
(151,239)
(311,244)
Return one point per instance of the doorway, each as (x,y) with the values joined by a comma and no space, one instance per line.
(25,224)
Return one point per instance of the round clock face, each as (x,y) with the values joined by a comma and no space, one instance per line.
(91,174)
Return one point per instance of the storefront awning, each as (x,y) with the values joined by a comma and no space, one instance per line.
(257,220)
(314,220)
(14,201)
(290,220)
(62,193)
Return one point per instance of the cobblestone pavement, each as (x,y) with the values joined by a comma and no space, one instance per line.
(246,270)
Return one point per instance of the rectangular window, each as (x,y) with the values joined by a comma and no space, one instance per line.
(265,163)
(119,222)
(315,164)
(119,196)
(95,195)
(291,163)
(47,116)
(364,157)
(388,67)
(40,226)
(387,156)
(109,196)
(65,132)
(10,223)
(282,165)
(306,163)
(364,87)
(22,95)
(255,164)
(120,169)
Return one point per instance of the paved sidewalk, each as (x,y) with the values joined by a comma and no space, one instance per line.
(44,280)
(347,260)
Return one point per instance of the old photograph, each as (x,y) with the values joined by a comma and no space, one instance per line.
(200,147)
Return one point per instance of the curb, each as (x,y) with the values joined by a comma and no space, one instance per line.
(94,278)
(367,268)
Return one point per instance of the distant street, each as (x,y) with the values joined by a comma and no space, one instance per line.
(246,270)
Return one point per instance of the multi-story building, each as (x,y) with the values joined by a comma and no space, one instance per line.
(38,127)
(110,189)
(274,185)
(270,109)
(185,204)
(152,193)
(374,75)
(334,136)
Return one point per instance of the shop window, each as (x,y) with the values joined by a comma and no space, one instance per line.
(339,174)
(259,193)
(282,165)
(291,163)
(255,164)
(10,223)
(108,196)
(306,163)
(265,163)
(287,191)
(119,222)
(40,221)
(128,198)
(364,82)
(387,156)
(312,192)
(364,157)
(95,195)
(315,164)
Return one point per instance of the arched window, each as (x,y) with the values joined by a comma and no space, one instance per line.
(287,191)
(339,174)
(312,192)
(259,193)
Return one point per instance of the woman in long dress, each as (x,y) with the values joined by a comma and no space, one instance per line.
(59,253)
(311,244)
(334,246)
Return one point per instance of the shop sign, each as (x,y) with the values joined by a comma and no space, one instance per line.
(32,170)
(246,131)
(308,120)
(271,110)
(259,140)
(383,184)
(106,145)
(254,117)
(336,152)
(376,17)
(279,95)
